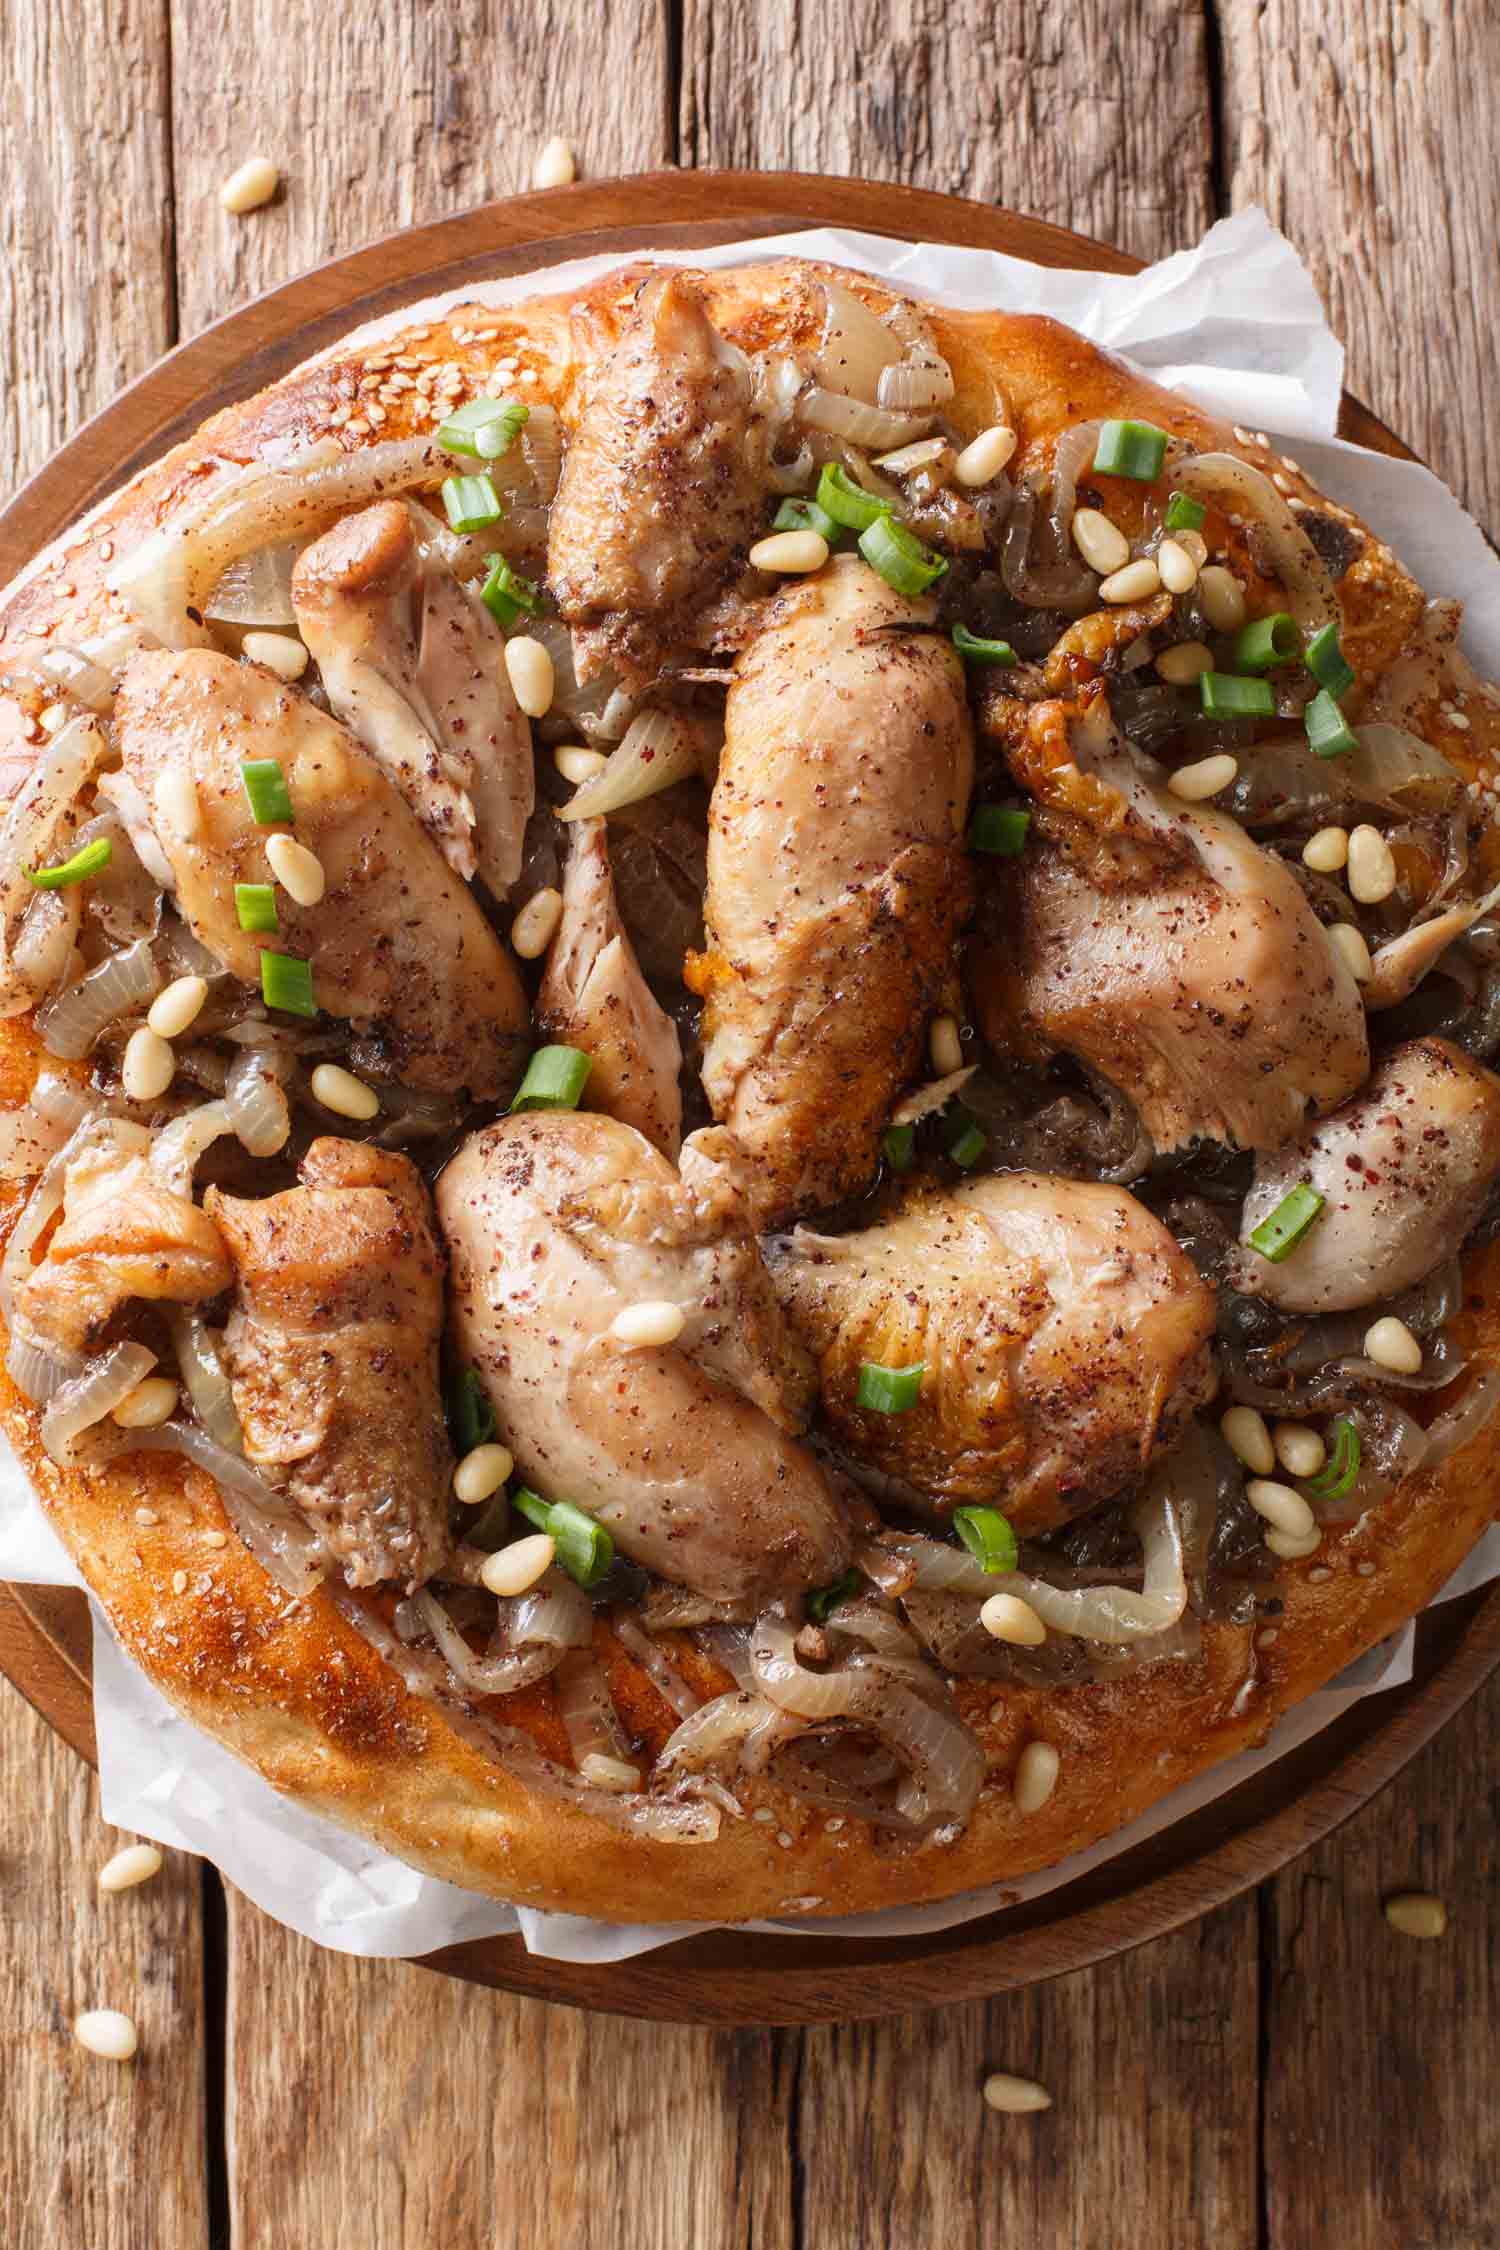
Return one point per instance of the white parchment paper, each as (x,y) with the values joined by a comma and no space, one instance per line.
(1234,323)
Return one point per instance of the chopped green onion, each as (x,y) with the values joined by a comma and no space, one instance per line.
(999,830)
(255,905)
(471,1417)
(1337,1475)
(900,557)
(491,1529)
(1329,733)
(967,1141)
(584,1548)
(1266,642)
(806,515)
(286,982)
(1184,513)
(471,503)
(555,1079)
(1278,1236)
(1225,695)
(531,1505)
(978,651)
(1131,449)
(888,1390)
(822,1599)
(87,860)
(898,1145)
(269,798)
(485,428)
(988,1537)
(1325,659)
(505,593)
(847,502)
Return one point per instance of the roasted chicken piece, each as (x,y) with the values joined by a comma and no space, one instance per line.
(556,1223)
(415,666)
(332,1353)
(1404,1169)
(1063,1335)
(836,880)
(397,944)
(662,490)
(594,996)
(1161,945)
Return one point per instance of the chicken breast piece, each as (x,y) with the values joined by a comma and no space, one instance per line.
(594,996)
(836,880)
(555,1223)
(415,667)
(1404,1169)
(1160,944)
(397,944)
(332,1353)
(1064,1338)
(662,490)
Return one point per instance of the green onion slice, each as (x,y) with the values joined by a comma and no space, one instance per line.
(967,1139)
(1184,513)
(266,791)
(471,1417)
(900,557)
(1266,642)
(1329,734)
(255,905)
(1325,659)
(1131,449)
(86,861)
(584,1548)
(806,515)
(888,1390)
(555,1079)
(286,982)
(485,428)
(847,502)
(975,650)
(505,593)
(898,1146)
(1278,1236)
(988,1537)
(822,1599)
(471,502)
(1337,1475)
(999,830)
(1226,695)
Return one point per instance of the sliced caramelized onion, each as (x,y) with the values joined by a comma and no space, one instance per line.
(204,1379)
(43,803)
(256,1101)
(79,676)
(712,1734)
(660,748)
(856,347)
(78,1404)
(1286,553)
(36,1374)
(1457,1425)
(280,1541)
(29,1136)
(851,419)
(44,945)
(586,1709)
(531,1637)
(180,1144)
(256,590)
(120,986)
(915,385)
(654,1662)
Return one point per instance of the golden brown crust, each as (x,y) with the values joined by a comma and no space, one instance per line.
(293,1689)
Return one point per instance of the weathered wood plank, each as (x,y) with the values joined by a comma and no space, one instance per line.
(1368,129)
(379,117)
(1096,115)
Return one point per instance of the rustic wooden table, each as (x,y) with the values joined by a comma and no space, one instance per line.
(1285,2073)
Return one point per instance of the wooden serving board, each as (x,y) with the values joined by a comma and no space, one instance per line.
(723,1977)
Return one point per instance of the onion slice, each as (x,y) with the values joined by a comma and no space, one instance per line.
(44,801)
(90,1396)
(120,986)
(659,749)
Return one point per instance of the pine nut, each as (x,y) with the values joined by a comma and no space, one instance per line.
(176,1006)
(1205,778)
(1137,582)
(149,1066)
(533,680)
(281,653)
(1326,852)
(104,2031)
(1282,1508)
(535,926)
(945,1046)
(1372,870)
(511,1570)
(556,166)
(151,1403)
(1035,1776)
(253,184)
(1349,941)
(175,801)
(296,869)
(1179,572)
(649,1325)
(1103,546)
(347,1096)
(608,1773)
(1300,1450)
(982,460)
(577,764)
(1008,1618)
(1223,598)
(1390,1343)
(1248,1439)
(1417,1914)
(1016,2095)
(137,1863)
(54,718)
(1182,665)
(795,551)
(481,1473)
(1290,1548)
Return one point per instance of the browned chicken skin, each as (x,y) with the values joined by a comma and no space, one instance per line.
(332,1353)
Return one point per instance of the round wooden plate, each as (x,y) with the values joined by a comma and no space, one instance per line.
(724,1977)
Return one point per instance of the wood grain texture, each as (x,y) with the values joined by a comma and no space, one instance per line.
(380,116)
(1369,130)
(1095,115)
